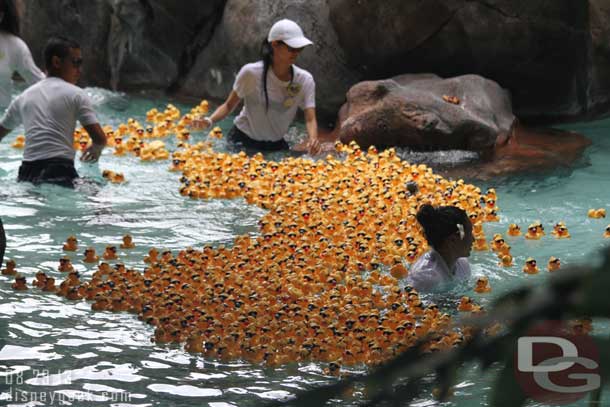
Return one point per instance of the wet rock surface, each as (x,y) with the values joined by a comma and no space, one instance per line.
(553,57)
(427,112)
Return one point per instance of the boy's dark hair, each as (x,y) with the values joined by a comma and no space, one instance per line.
(59,47)
(441,222)
(10,22)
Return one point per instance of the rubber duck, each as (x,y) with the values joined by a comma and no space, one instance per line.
(506,260)
(560,231)
(482,285)
(71,244)
(110,253)
(533,232)
(607,232)
(127,242)
(152,256)
(514,230)
(10,268)
(596,213)
(466,304)
(119,148)
(65,265)
(216,133)
(20,283)
(114,177)
(480,243)
(90,256)
(530,266)
(497,242)
(454,100)
(49,285)
(19,142)
(398,271)
(184,135)
(554,264)
(40,280)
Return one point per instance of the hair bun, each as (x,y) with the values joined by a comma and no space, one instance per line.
(425,214)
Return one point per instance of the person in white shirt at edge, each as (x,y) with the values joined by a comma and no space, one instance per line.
(48,111)
(272,89)
(14,54)
(448,231)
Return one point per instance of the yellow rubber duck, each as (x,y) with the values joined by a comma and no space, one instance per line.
(533,232)
(65,265)
(506,260)
(20,283)
(71,244)
(497,242)
(398,271)
(216,133)
(597,213)
(560,231)
(49,285)
(530,266)
(607,232)
(10,268)
(482,285)
(480,243)
(127,242)
(466,304)
(110,253)
(40,280)
(554,264)
(19,142)
(90,256)
(514,230)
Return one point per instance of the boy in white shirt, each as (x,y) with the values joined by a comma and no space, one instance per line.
(48,111)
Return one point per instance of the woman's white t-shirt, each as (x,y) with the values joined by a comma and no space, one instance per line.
(15,56)
(430,271)
(284,99)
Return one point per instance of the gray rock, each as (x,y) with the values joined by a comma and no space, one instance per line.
(536,49)
(130,44)
(410,110)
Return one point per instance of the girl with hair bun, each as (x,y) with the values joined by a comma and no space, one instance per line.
(272,90)
(449,233)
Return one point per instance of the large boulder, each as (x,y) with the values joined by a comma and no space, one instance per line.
(427,112)
(537,49)
(237,41)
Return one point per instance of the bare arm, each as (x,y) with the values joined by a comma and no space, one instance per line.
(98,138)
(220,113)
(311,123)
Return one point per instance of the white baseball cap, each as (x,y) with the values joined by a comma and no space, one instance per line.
(288,32)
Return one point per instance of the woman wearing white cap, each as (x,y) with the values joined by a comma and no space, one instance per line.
(272,90)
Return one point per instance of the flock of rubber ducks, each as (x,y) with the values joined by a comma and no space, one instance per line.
(322,282)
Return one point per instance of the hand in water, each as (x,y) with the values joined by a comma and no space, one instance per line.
(92,154)
(201,123)
(313,146)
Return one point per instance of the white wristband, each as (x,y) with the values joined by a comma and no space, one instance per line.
(210,121)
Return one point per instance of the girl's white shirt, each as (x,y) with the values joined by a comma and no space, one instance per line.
(430,272)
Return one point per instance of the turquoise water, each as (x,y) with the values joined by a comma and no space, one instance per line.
(59,348)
